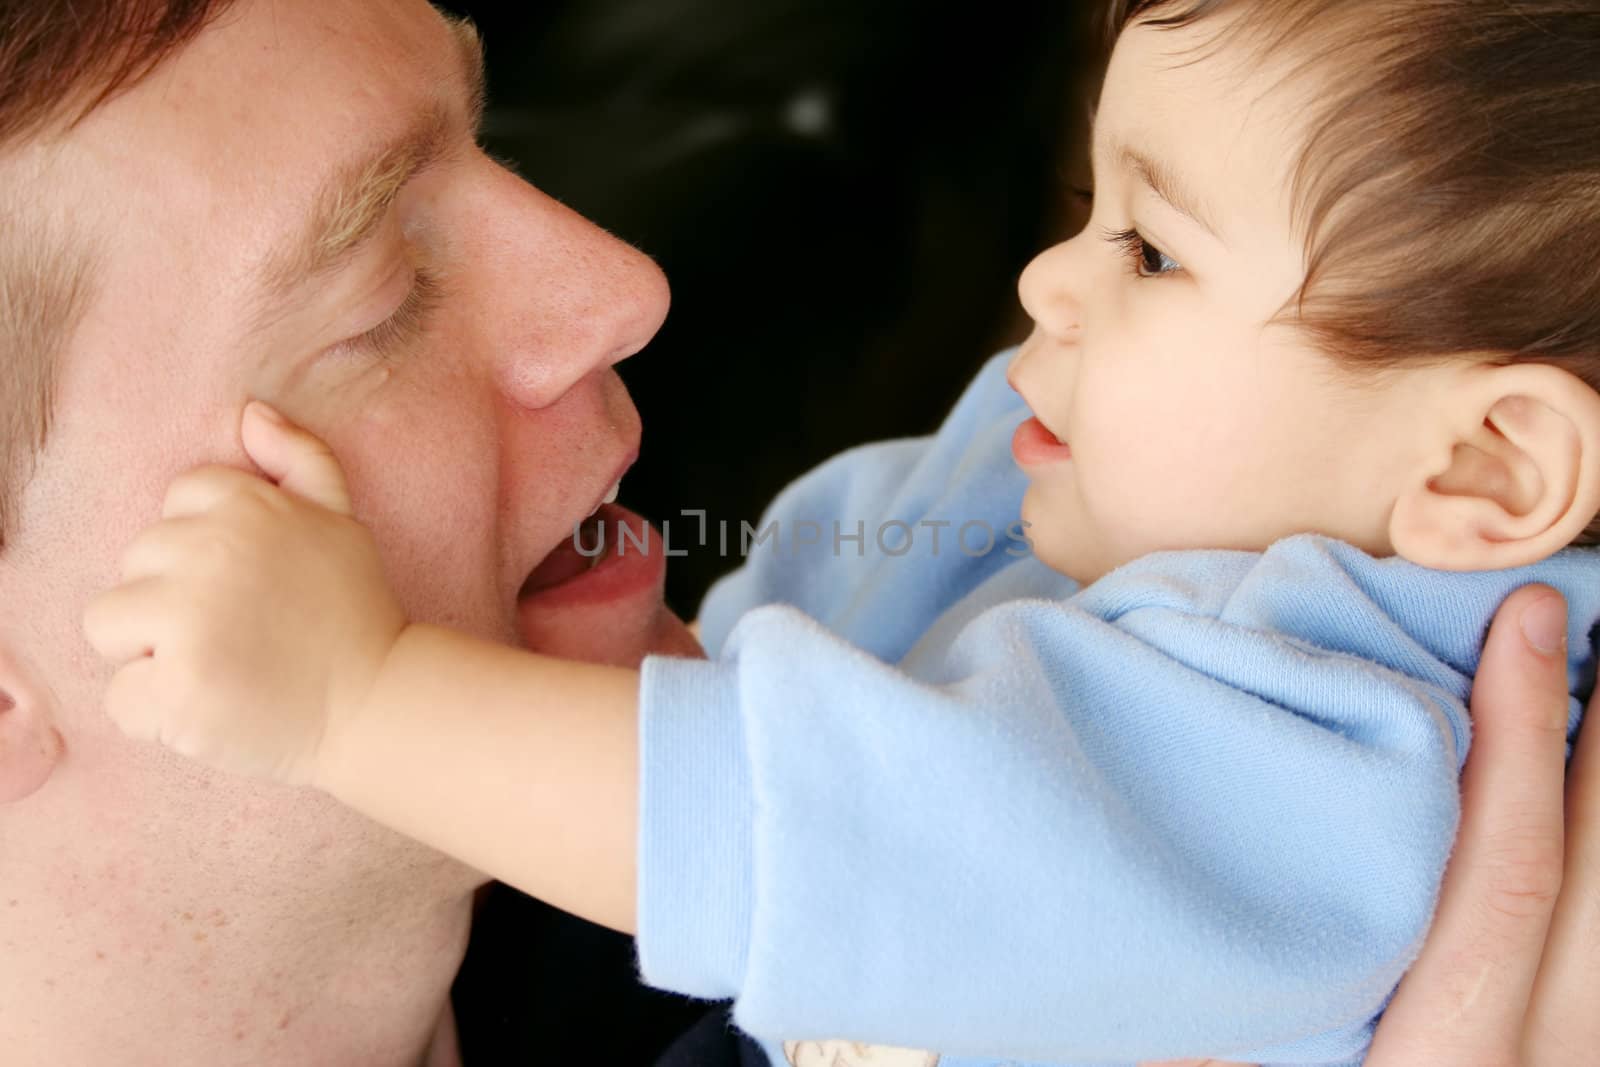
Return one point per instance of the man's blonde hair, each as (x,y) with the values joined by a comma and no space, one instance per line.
(43,282)
(58,62)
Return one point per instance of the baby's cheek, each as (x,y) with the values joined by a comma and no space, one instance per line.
(1056,532)
(1122,519)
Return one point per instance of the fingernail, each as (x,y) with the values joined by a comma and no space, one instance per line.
(1544,624)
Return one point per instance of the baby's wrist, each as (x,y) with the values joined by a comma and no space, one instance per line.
(354,709)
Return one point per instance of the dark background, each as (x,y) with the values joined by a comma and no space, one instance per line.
(842,194)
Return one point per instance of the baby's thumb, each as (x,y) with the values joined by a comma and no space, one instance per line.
(296,459)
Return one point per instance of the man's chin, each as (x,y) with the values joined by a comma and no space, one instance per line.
(608,638)
(672,637)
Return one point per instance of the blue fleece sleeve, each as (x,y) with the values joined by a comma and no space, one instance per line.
(1129,825)
(828,535)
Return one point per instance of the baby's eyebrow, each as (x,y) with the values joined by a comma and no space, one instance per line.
(1162,180)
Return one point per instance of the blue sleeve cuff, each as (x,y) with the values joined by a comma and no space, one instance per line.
(695,872)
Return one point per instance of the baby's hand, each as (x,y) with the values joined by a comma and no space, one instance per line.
(252,619)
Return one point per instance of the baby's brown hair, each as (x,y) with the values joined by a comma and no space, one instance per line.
(1449,186)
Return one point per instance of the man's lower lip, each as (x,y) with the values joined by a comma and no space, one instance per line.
(624,568)
(1032,445)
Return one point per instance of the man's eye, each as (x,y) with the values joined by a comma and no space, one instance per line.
(403,327)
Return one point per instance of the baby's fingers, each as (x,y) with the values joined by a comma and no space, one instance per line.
(126,622)
(165,547)
(200,490)
(298,460)
(134,699)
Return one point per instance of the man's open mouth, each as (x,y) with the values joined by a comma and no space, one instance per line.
(573,555)
(610,553)
(565,561)
(597,595)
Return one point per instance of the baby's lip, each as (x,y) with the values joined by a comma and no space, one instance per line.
(1034,444)
(1011,380)
(1015,388)
(1060,438)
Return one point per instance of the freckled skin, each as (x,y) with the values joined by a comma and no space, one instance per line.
(469,454)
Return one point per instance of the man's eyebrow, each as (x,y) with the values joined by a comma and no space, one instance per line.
(353,202)
(1162,180)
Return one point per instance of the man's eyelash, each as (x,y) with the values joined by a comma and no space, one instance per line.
(405,325)
(1133,244)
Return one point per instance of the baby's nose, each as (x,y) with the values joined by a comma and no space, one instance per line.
(1046,291)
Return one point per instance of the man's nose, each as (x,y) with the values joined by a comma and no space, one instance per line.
(1046,290)
(570,298)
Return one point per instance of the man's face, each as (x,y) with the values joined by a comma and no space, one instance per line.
(458,358)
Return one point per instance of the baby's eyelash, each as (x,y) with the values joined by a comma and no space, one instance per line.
(1133,244)
(405,325)
(1135,248)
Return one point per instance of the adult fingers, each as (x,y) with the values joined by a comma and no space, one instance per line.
(1563,1026)
(295,458)
(1465,1000)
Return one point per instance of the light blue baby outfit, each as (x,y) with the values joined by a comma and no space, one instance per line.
(950,801)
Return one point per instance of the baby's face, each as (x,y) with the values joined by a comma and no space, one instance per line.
(1190,423)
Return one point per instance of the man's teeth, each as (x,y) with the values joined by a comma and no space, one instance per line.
(610,496)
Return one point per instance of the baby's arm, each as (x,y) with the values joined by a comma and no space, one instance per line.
(520,765)
(962,805)
(255,632)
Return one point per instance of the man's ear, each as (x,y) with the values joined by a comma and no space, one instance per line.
(1516,475)
(30,744)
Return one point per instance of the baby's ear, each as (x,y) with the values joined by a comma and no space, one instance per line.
(1517,475)
(30,744)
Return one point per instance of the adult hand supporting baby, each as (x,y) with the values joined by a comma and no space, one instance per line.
(1507,973)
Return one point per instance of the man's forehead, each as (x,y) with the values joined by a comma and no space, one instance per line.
(240,136)
(353,197)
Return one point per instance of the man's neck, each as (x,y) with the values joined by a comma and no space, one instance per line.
(204,988)
(445,1051)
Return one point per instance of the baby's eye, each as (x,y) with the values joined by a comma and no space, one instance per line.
(1140,252)
(1135,248)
